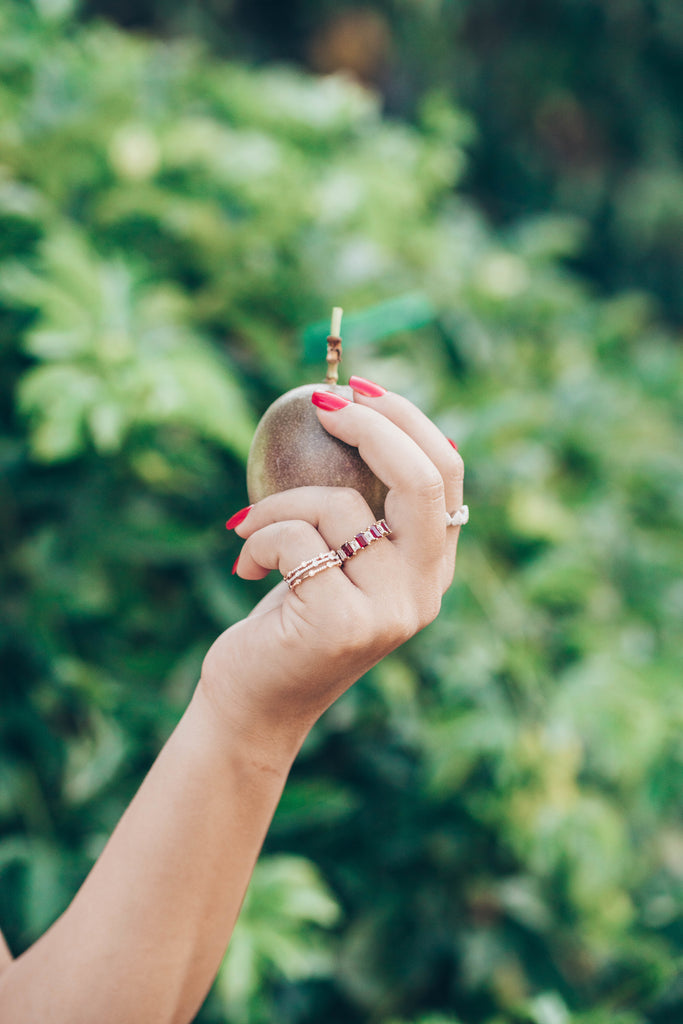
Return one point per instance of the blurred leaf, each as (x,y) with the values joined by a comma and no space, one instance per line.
(401,314)
(279,928)
(496,807)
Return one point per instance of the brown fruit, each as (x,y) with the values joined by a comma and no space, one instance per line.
(291,449)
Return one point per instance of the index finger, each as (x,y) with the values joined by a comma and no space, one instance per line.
(433,443)
(423,431)
(415,506)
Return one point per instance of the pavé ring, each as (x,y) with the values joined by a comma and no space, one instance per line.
(459,517)
(311,567)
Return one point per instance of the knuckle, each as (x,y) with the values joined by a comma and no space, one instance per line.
(358,631)
(406,628)
(456,466)
(422,610)
(430,488)
(293,531)
(405,622)
(430,609)
(347,501)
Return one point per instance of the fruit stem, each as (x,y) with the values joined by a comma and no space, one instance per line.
(334,347)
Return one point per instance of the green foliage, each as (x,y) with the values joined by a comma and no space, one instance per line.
(494,811)
(278,934)
(577,102)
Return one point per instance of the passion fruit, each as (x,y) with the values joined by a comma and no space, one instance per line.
(290,448)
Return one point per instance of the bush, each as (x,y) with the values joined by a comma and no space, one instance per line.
(493,812)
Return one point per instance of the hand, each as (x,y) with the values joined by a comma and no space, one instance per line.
(275,672)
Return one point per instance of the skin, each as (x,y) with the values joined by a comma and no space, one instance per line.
(143,938)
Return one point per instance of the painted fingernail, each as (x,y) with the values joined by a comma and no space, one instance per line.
(452,443)
(238,517)
(328,401)
(234,568)
(367,387)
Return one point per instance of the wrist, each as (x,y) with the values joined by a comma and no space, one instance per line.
(258,743)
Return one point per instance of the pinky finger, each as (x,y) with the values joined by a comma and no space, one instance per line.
(282,546)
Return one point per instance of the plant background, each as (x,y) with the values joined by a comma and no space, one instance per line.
(487,829)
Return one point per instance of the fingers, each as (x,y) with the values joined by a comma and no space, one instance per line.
(283,546)
(424,474)
(390,600)
(422,430)
(335,514)
(441,452)
(278,545)
(415,505)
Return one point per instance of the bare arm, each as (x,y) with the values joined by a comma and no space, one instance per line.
(143,938)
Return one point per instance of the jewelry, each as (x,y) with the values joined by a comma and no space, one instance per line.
(331,559)
(311,567)
(375,532)
(459,517)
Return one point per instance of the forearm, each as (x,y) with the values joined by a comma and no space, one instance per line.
(144,936)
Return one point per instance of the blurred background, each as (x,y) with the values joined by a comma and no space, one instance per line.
(488,828)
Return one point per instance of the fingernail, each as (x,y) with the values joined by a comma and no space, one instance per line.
(366,387)
(452,443)
(328,401)
(234,568)
(238,517)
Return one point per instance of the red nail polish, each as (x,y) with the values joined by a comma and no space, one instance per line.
(238,517)
(452,443)
(328,401)
(366,387)
(234,568)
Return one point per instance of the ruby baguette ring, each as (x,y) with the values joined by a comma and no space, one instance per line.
(331,559)
(375,532)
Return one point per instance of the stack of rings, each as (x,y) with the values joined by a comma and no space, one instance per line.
(331,559)
(311,567)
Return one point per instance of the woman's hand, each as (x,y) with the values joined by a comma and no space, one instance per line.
(274,673)
(144,936)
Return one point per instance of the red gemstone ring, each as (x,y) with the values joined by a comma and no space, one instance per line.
(375,532)
(331,559)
